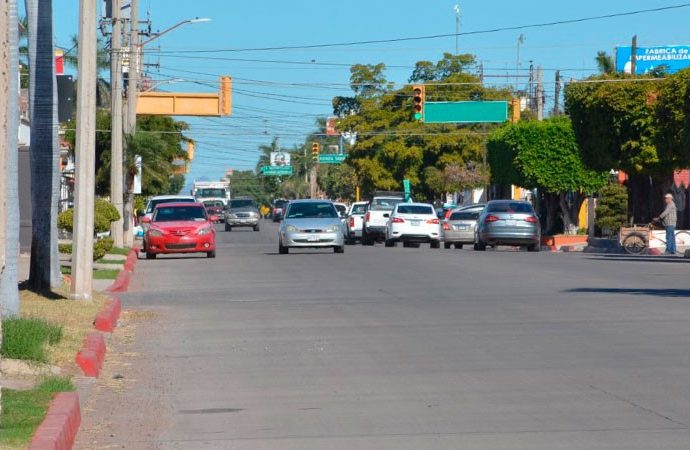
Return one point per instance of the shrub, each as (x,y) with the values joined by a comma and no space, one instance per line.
(612,209)
(104,215)
(101,247)
(65,248)
(26,338)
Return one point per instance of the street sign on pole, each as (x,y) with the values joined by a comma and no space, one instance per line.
(466,112)
(331,158)
(407,189)
(276,171)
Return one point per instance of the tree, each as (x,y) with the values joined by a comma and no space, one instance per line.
(9,197)
(605,63)
(44,272)
(368,80)
(612,209)
(545,155)
(338,181)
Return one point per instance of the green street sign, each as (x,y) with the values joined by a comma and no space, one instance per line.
(331,158)
(466,112)
(276,171)
(407,189)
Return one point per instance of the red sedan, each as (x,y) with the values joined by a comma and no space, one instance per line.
(180,228)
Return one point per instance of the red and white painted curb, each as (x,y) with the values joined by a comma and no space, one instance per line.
(106,319)
(59,429)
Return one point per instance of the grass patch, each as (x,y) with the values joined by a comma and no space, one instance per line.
(120,251)
(75,317)
(98,274)
(110,261)
(26,338)
(23,411)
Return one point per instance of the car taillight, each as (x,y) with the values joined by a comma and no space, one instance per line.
(432,221)
(531,219)
(397,220)
(446,226)
(490,218)
(352,222)
(367,216)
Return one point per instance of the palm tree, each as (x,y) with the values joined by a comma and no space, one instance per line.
(44,272)
(9,295)
(605,63)
(102,54)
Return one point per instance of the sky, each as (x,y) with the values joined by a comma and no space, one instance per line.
(281,93)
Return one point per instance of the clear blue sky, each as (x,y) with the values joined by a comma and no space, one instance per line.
(289,111)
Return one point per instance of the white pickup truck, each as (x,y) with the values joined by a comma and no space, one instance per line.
(376,217)
(353,225)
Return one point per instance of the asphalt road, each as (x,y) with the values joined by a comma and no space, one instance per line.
(417,348)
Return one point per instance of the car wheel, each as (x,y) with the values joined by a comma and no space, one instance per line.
(366,240)
(150,255)
(282,250)
(339,249)
(256,227)
(211,254)
(435,244)
(458,245)
(228,227)
(534,248)
(447,245)
(389,243)
(480,246)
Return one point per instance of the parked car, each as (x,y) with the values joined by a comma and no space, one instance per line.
(508,222)
(180,227)
(376,217)
(413,223)
(342,211)
(278,210)
(311,223)
(458,228)
(215,208)
(353,225)
(242,212)
(157,200)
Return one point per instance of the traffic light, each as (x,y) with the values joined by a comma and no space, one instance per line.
(418,99)
(315,149)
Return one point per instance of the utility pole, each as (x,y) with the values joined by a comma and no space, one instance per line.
(116,162)
(82,249)
(633,57)
(312,180)
(520,41)
(532,100)
(557,94)
(456,8)
(131,119)
(540,93)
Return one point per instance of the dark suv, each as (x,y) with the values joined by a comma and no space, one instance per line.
(242,212)
(278,210)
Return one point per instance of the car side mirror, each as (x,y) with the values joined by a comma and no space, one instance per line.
(386,215)
(146,219)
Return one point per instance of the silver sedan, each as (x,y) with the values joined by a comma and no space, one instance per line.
(508,222)
(311,224)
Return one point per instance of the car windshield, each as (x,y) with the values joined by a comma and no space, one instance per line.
(359,209)
(179,213)
(154,202)
(210,192)
(384,204)
(415,209)
(280,204)
(311,211)
(464,215)
(241,203)
(213,204)
(510,207)
(341,208)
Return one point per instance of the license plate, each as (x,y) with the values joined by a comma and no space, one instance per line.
(313,238)
(414,223)
(511,223)
(462,227)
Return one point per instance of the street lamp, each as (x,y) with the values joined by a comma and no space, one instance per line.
(177,25)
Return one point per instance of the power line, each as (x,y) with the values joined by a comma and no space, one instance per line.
(446,35)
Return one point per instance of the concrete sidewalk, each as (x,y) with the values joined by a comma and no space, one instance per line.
(23,274)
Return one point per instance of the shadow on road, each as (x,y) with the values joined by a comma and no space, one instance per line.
(673,293)
(640,258)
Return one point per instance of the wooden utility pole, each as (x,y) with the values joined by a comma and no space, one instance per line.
(131,119)
(116,162)
(633,56)
(557,94)
(312,180)
(84,181)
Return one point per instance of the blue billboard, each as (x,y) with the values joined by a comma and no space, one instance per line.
(673,57)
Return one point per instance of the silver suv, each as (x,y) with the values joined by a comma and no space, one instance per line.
(242,212)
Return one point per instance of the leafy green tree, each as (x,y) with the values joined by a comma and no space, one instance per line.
(338,181)
(605,63)
(545,155)
(612,208)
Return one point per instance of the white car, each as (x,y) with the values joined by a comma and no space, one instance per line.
(355,221)
(412,224)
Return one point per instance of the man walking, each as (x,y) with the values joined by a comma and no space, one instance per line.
(668,220)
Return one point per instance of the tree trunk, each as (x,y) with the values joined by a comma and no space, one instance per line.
(45,153)
(570,208)
(9,294)
(551,206)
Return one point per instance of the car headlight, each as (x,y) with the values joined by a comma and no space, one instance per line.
(204,231)
(230,216)
(333,229)
(155,233)
(291,229)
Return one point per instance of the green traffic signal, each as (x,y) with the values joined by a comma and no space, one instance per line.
(417,116)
